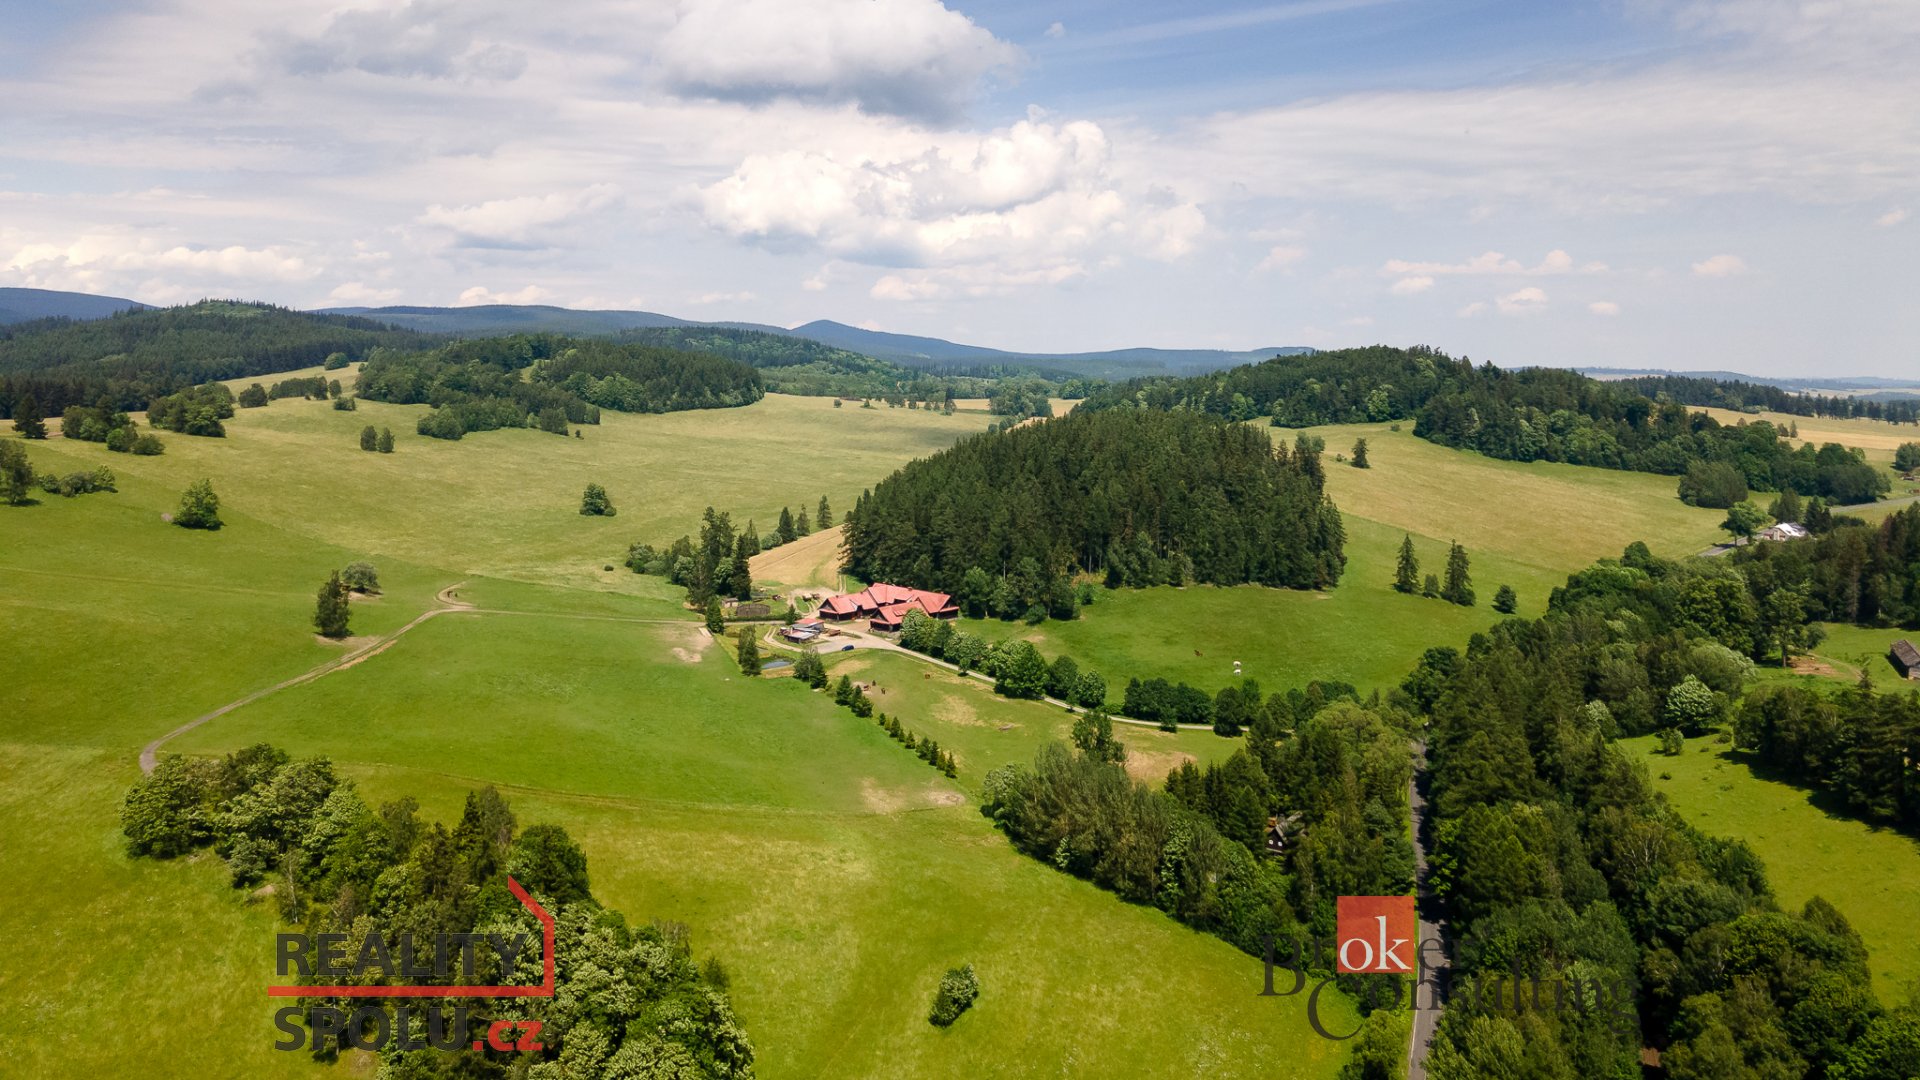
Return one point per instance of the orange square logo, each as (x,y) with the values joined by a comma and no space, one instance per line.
(1376,934)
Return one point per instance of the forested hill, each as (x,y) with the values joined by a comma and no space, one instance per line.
(1530,414)
(135,356)
(549,381)
(1143,497)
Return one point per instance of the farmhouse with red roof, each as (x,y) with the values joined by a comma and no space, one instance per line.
(885,606)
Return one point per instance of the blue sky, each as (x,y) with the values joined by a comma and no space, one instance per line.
(1638,183)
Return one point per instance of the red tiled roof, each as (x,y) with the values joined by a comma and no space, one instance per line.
(848,603)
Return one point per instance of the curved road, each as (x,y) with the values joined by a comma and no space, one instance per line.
(871,641)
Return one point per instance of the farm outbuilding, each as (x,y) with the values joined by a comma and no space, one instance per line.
(1906,658)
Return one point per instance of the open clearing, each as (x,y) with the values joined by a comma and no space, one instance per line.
(1525,525)
(811,562)
(1867,873)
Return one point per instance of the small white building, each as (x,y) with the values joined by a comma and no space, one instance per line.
(1786,530)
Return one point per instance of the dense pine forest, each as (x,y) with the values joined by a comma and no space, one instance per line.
(1142,497)
(126,360)
(1531,414)
(548,381)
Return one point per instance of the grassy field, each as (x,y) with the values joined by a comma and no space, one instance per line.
(1524,525)
(506,503)
(1867,873)
(811,562)
(834,872)
(1878,438)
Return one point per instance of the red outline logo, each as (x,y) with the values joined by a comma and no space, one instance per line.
(545,989)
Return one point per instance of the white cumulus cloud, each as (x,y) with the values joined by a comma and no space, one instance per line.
(1408,286)
(1891,218)
(1720,266)
(480,294)
(909,58)
(1522,301)
(1281,256)
(520,221)
(1604,307)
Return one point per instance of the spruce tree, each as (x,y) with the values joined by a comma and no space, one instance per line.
(385,444)
(1431,589)
(800,526)
(1459,586)
(1360,454)
(826,514)
(330,613)
(16,474)
(749,652)
(784,530)
(1406,576)
(31,425)
(1505,601)
(740,579)
(716,622)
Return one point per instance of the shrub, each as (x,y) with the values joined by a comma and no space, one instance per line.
(594,502)
(361,577)
(385,445)
(344,404)
(199,507)
(958,987)
(147,446)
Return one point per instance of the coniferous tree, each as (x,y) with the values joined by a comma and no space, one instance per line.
(1459,586)
(1360,454)
(369,439)
(28,421)
(199,507)
(826,514)
(739,584)
(749,651)
(16,473)
(1431,588)
(1787,507)
(330,613)
(800,526)
(784,529)
(385,445)
(716,621)
(1504,601)
(1406,575)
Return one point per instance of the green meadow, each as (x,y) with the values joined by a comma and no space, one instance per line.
(1527,525)
(1867,873)
(834,872)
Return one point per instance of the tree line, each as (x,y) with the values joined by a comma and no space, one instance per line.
(1141,497)
(124,361)
(1751,397)
(1530,414)
(338,865)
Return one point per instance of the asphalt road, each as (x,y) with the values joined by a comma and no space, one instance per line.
(1426,1012)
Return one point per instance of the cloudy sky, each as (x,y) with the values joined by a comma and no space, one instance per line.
(1638,183)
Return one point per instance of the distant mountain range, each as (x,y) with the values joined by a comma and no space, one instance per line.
(1848,385)
(25,305)
(904,349)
